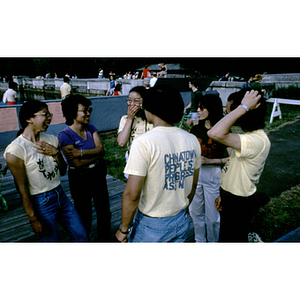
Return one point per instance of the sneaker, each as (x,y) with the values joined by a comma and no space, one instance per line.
(253,237)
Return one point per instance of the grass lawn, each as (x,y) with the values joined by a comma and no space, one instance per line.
(273,220)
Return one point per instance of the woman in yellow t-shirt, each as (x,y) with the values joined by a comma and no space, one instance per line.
(36,164)
(134,123)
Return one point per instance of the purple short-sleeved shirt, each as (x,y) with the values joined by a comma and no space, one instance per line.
(69,137)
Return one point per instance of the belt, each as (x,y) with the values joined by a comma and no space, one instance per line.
(91,166)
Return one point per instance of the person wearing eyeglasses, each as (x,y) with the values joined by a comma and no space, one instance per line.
(206,218)
(134,123)
(36,163)
(87,172)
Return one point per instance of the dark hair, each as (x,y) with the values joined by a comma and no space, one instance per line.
(165,102)
(194,82)
(12,84)
(66,79)
(118,87)
(28,110)
(142,91)
(70,106)
(213,104)
(254,119)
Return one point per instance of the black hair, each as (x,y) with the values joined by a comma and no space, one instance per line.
(254,119)
(118,87)
(12,84)
(213,104)
(165,102)
(141,90)
(28,110)
(194,82)
(70,106)
(66,79)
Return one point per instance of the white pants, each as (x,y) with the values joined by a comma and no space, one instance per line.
(205,217)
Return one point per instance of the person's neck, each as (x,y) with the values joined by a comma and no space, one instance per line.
(30,135)
(159,122)
(77,127)
(194,89)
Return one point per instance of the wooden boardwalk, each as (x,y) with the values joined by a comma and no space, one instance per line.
(14,225)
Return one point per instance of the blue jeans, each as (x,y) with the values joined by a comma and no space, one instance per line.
(55,207)
(169,229)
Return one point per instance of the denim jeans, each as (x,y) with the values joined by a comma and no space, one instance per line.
(55,207)
(169,229)
(86,185)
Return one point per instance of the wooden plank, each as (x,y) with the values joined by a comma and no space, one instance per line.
(16,228)
(284,101)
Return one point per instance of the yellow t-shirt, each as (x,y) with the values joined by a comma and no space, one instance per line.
(42,170)
(139,126)
(167,157)
(241,173)
(65,90)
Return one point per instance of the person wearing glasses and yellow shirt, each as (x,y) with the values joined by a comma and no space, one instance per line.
(84,151)
(36,163)
(134,123)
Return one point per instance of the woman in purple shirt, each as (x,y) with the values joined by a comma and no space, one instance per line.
(84,152)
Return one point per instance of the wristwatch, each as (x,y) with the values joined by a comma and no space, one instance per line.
(124,232)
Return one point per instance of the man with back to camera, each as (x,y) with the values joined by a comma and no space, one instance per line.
(163,169)
(65,89)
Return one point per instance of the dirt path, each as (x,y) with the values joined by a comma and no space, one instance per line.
(282,169)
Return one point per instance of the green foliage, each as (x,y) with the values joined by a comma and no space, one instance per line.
(291,92)
(288,113)
(114,155)
(278,217)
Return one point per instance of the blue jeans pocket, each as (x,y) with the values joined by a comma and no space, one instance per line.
(41,199)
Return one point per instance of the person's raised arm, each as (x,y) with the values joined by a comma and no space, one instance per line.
(123,135)
(221,131)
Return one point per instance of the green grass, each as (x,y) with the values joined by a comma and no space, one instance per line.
(279,216)
(114,155)
(288,113)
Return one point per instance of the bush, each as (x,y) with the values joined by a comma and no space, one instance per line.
(291,92)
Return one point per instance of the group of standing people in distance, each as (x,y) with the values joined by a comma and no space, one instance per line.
(208,172)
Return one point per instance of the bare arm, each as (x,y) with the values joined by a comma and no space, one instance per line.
(123,136)
(221,131)
(195,180)
(216,161)
(130,202)
(88,155)
(188,106)
(17,168)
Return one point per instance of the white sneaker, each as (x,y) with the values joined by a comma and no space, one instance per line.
(253,237)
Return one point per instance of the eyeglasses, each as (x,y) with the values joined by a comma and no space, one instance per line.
(45,114)
(134,101)
(86,110)
(201,107)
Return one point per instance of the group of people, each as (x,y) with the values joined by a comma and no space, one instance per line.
(209,174)
(214,179)
(36,161)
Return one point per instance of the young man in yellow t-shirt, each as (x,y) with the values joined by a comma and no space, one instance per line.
(163,168)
